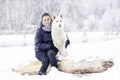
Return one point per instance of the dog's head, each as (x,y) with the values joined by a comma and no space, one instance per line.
(58,21)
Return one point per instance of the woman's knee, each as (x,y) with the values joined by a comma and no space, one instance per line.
(38,55)
(51,53)
(42,57)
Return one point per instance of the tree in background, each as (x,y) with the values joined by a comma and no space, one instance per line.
(23,16)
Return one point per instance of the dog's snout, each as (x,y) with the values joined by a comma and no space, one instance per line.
(59,25)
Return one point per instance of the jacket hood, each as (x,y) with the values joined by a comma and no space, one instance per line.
(41,25)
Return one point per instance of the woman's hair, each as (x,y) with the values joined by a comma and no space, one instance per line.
(45,14)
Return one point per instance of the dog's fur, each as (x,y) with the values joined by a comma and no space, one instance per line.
(66,65)
(58,34)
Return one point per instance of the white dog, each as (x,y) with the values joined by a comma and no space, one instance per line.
(58,35)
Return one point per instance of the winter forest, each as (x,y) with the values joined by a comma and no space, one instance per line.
(92,26)
(23,16)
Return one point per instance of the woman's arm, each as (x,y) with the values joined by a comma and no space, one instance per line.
(38,41)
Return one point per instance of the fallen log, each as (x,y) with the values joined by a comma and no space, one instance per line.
(69,66)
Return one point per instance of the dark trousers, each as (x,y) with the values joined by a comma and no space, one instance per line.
(46,58)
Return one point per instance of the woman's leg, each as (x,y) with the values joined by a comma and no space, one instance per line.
(42,56)
(52,58)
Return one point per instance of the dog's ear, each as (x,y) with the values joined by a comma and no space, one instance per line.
(61,15)
(54,17)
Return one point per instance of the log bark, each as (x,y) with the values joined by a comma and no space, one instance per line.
(69,66)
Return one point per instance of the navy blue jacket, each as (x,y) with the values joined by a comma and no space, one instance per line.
(43,40)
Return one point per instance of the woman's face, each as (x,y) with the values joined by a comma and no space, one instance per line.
(46,20)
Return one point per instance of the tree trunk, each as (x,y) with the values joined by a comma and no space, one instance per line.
(69,66)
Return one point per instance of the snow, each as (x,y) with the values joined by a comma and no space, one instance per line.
(19,55)
(16,40)
(101,49)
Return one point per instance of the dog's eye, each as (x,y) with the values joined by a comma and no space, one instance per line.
(56,21)
(60,20)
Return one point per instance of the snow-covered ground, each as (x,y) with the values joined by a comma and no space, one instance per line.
(17,56)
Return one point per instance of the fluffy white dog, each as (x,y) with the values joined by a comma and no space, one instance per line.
(58,35)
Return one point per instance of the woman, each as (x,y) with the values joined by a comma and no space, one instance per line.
(44,47)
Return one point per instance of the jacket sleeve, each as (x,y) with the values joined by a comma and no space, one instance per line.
(67,42)
(54,48)
(38,41)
